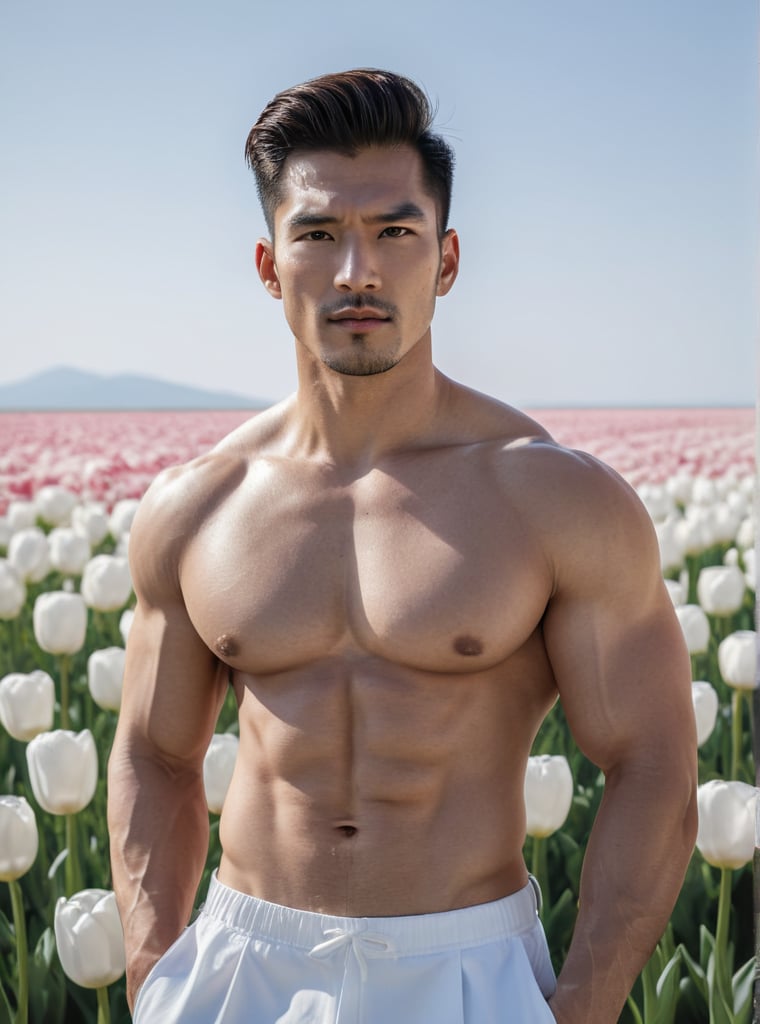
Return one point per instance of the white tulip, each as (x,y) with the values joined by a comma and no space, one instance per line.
(731,557)
(63,770)
(705,700)
(695,533)
(122,515)
(106,582)
(671,548)
(12,591)
(91,521)
(725,522)
(27,704)
(750,568)
(680,487)
(60,622)
(745,535)
(19,839)
(548,794)
(737,659)
(726,834)
(676,592)
(657,501)
(704,491)
(748,485)
(125,623)
(695,626)
(720,589)
(29,554)
(738,503)
(55,504)
(218,766)
(89,938)
(69,550)
(105,676)
(21,515)
(122,546)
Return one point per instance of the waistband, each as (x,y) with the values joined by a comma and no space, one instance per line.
(406,936)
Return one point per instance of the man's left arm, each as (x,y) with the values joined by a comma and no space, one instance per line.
(624,679)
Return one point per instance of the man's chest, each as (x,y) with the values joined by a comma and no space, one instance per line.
(434,575)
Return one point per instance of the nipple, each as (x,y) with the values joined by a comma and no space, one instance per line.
(226,646)
(468,646)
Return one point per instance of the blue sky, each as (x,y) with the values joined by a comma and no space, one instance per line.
(606,198)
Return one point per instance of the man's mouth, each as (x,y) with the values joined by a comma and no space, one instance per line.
(358,315)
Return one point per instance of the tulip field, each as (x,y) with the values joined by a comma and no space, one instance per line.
(69,487)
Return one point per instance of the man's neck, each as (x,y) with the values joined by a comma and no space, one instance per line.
(355,420)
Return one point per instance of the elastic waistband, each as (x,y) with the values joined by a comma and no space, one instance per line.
(412,935)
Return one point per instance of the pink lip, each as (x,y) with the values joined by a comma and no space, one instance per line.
(359,320)
(358,314)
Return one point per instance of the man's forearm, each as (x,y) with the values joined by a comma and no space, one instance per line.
(158,826)
(636,858)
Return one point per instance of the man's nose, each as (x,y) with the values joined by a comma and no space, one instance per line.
(357,269)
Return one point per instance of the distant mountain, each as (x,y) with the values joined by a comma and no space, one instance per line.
(64,387)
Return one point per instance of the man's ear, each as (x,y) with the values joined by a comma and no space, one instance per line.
(449,262)
(266,267)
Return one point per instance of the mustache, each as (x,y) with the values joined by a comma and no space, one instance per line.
(358,301)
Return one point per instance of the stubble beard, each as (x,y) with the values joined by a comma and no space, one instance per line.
(360,361)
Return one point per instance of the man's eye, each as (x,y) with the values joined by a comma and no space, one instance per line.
(396,232)
(316,236)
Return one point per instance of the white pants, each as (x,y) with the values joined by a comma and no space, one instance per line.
(244,960)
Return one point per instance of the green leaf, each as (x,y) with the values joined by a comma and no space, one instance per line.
(635,1012)
(720,1012)
(6,1016)
(47,984)
(661,987)
(696,973)
(742,985)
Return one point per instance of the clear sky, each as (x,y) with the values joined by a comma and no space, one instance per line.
(606,191)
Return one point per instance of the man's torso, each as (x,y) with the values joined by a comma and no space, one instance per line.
(383,632)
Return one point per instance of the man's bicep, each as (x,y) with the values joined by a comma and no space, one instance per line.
(614,641)
(173,685)
(623,683)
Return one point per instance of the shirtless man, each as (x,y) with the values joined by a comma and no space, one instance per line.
(398,576)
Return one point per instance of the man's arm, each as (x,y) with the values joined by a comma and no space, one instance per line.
(624,678)
(173,690)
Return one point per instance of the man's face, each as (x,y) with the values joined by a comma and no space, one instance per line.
(357,258)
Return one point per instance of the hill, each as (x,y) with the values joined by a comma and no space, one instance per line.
(64,387)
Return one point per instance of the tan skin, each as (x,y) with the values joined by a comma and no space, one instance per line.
(400,576)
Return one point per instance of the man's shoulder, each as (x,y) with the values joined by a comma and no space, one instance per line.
(182,497)
(568,497)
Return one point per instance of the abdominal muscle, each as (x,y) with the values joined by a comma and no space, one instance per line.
(365,788)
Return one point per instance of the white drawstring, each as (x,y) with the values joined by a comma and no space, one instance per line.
(361,943)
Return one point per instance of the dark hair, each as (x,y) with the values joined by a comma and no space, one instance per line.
(346,112)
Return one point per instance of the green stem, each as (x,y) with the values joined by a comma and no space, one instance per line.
(72,868)
(22,953)
(538,868)
(736,733)
(104,1010)
(63,664)
(722,968)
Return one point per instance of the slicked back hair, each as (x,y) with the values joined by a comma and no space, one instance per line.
(346,112)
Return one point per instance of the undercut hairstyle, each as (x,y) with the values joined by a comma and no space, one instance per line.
(344,113)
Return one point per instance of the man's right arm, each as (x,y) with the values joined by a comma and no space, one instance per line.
(173,690)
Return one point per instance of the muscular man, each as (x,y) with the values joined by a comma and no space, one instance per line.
(399,576)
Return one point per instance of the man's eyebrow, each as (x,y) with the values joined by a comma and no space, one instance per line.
(404,211)
(310,220)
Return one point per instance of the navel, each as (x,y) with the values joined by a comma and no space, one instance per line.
(468,646)
(226,646)
(347,830)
